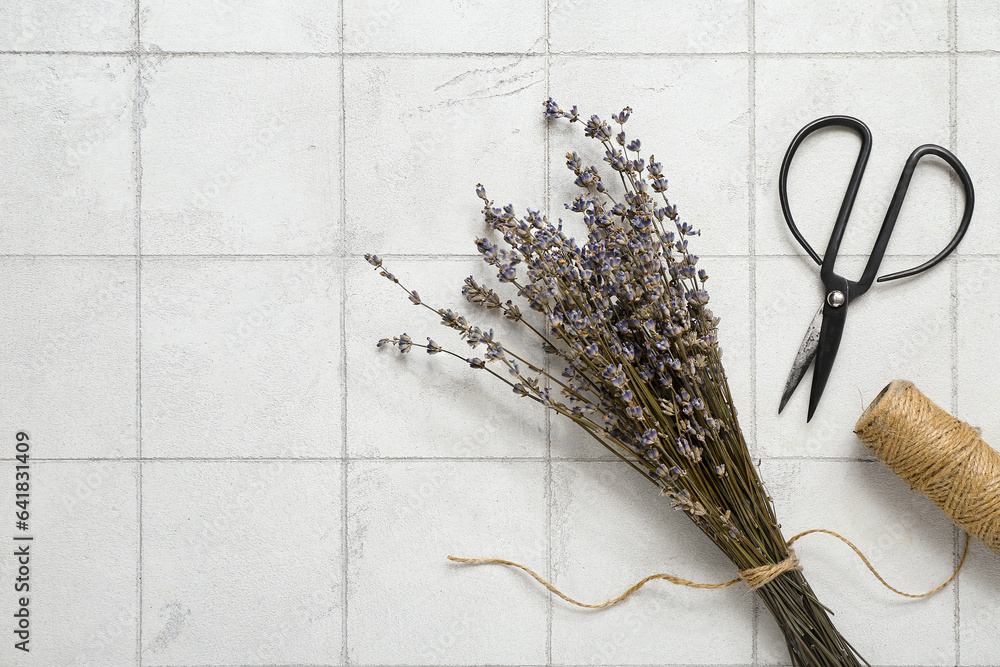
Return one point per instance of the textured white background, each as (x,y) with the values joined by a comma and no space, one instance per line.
(227,471)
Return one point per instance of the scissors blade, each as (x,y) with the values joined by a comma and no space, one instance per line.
(804,357)
(829,342)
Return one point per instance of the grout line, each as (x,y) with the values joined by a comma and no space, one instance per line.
(782,55)
(953,145)
(121,54)
(453,257)
(663,664)
(196,459)
(345,657)
(825,459)
(137,117)
(249,256)
(159,257)
(752,256)
(310,664)
(616,55)
(547,156)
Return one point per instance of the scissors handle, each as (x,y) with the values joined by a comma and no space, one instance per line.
(852,188)
(881,243)
(897,203)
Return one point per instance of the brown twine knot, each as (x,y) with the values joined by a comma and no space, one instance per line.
(759,576)
(940,456)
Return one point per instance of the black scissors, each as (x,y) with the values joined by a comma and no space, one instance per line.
(823,336)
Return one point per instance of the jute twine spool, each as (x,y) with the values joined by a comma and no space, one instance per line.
(938,455)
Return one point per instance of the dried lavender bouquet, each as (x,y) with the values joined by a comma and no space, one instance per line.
(627,322)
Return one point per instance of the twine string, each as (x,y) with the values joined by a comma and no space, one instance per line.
(665,577)
(754,577)
(939,455)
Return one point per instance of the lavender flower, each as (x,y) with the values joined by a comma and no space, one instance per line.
(622,316)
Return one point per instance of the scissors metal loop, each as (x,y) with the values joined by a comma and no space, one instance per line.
(824,334)
(878,252)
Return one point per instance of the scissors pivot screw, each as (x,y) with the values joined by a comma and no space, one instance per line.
(836,298)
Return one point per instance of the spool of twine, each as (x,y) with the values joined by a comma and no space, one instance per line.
(940,456)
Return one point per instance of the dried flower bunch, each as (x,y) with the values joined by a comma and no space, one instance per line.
(626,321)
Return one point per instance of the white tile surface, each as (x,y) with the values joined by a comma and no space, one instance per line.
(703,147)
(980,611)
(68,121)
(268,144)
(611,528)
(444,26)
(791,92)
(405,518)
(852,25)
(69,354)
(422,405)
(248,165)
(68,25)
(309,26)
(241,562)
(83,520)
(903,534)
(978,334)
(978,26)
(243,352)
(648,26)
(421,133)
(979,139)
